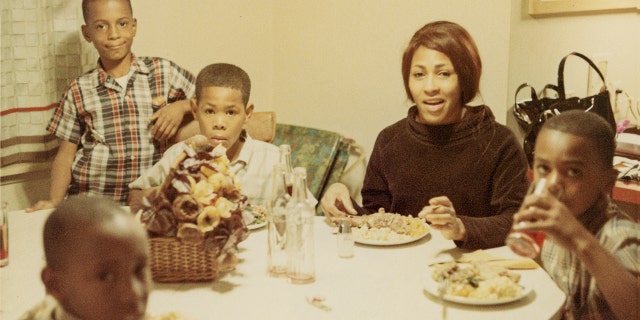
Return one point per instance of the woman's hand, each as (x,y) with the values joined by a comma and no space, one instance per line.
(336,201)
(442,216)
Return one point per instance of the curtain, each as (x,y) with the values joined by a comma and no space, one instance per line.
(42,52)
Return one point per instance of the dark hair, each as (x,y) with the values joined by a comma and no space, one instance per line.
(590,126)
(85,8)
(224,75)
(457,44)
(73,215)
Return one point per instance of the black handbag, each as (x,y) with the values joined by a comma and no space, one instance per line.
(599,103)
(526,112)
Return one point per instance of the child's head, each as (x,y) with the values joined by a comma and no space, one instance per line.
(97,259)
(574,151)
(110,26)
(222,106)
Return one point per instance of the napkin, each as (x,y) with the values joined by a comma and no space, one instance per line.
(487,258)
(483,256)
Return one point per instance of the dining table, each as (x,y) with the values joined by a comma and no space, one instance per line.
(377,282)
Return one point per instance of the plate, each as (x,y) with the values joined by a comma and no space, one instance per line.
(431,286)
(257,225)
(388,242)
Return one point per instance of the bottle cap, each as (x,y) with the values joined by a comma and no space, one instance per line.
(344,226)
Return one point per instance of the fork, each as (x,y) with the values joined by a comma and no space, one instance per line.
(442,290)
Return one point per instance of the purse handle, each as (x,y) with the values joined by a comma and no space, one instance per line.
(534,96)
(561,92)
(543,92)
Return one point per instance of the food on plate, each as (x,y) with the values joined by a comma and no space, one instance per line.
(477,281)
(198,201)
(385,226)
(254,215)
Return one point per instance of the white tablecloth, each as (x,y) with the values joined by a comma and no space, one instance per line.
(377,283)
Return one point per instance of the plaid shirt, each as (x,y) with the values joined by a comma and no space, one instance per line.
(620,235)
(111,124)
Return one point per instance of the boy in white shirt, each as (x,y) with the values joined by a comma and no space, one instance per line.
(222,108)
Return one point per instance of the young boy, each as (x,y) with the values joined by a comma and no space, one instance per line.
(113,122)
(221,107)
(592,248)
(96,262)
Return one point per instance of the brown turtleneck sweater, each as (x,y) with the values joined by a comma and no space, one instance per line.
(477,163)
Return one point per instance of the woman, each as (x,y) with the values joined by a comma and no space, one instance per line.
(447,162)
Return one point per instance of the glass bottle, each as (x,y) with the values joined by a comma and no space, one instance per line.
(285,161)
(276,224)
(300,239)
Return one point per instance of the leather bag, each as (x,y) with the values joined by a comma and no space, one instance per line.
(599,103)
(527,111)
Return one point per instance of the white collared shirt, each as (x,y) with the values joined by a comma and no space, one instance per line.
(253,168)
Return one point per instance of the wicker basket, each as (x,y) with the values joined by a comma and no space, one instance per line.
(175,261)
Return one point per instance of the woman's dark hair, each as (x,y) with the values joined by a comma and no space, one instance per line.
(457,44)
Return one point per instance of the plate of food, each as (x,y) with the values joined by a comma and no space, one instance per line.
(255,217)
(256,225)
(387,229)
(475,283)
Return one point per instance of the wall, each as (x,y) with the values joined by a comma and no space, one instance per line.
(196,33)
(41,53)
(538,44)
(328,64)
(335,64)
(341,65)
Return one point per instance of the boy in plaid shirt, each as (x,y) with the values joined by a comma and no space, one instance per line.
(113,122)
(591,248)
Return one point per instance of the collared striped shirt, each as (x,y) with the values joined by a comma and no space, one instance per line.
(620,235)
(111,124)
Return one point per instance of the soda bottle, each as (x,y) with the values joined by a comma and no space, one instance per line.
(300,242)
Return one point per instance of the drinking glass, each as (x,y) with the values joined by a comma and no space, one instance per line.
(4,235)
(528,243)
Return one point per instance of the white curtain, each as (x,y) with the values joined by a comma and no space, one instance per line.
(42,51)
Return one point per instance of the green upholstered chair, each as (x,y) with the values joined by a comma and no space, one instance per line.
(324,153)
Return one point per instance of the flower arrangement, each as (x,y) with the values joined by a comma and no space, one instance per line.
(199,203)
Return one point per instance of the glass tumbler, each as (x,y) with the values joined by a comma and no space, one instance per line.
(528,243)
(4,235)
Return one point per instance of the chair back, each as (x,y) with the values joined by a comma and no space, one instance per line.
(323,153)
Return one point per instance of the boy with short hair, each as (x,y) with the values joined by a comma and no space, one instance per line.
(96,263)
(221,107)
(113,122)
(592,248)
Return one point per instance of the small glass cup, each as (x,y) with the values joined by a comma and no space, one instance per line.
(528,243)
